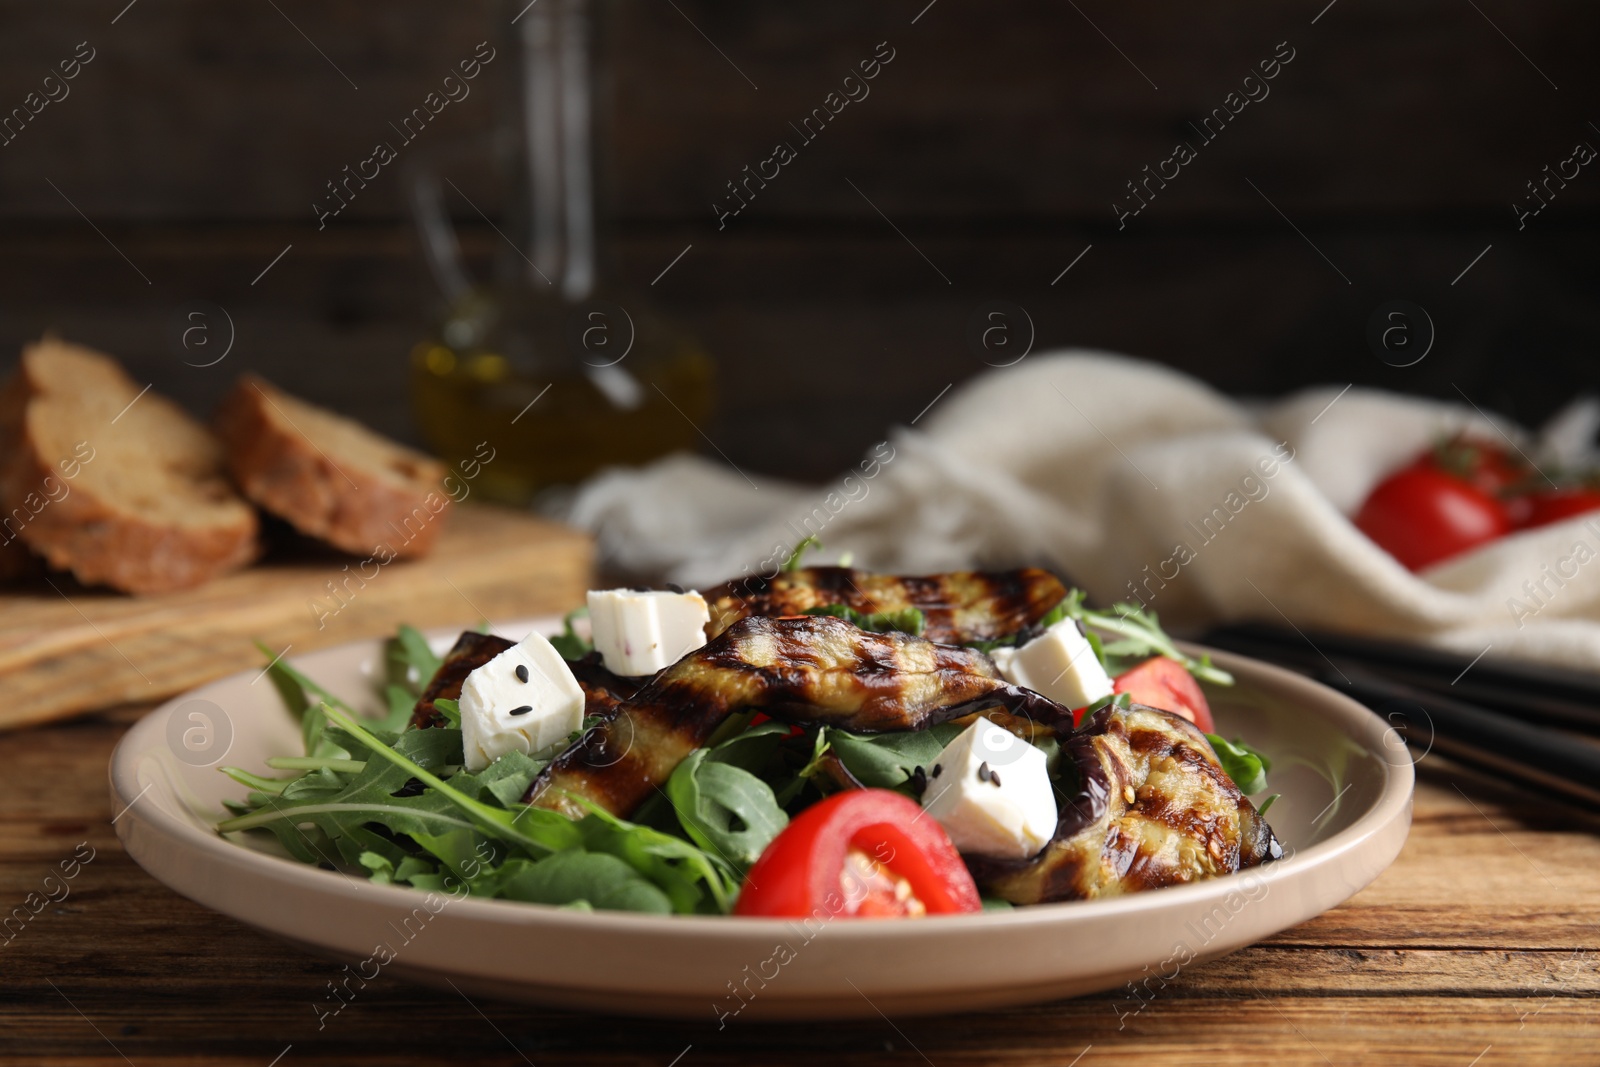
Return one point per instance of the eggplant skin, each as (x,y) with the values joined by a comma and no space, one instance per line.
(957,607)
(804,670)
(603,691)
(471,651)
(1153,808)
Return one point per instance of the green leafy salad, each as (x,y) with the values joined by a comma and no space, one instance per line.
(375,795)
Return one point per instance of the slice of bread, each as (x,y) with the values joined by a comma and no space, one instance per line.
(329,476)
(113,482)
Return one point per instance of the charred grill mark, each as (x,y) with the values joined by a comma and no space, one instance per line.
(603,691)
(957,607)
(1152,808)
(810,670)
(593,676)
(471,651)
(834,581)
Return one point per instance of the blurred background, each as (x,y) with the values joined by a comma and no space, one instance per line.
(193,164)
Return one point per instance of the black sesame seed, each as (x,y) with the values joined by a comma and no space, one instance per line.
(522,710)
(938,769)
(994,776)
(983,771)
(522,672)
(674,587)
(1083,631)
(641,589)
(919,781)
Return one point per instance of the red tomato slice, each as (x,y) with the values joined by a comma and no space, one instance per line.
(1554,505)
(866,853)
(1166,684)
(1421,516)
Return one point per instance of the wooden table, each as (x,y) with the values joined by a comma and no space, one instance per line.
(1480,946)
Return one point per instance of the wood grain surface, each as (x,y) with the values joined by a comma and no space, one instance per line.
(1479,947)
(66,649)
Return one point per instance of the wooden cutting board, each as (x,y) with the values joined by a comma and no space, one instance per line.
(69,649)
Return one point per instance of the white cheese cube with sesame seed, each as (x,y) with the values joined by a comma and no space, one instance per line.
(1059,664)
(526,699)
(638,632)
(991,792)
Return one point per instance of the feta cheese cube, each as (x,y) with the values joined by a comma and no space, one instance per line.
(1059,664)
(525,699)
(639,632)
(991,792)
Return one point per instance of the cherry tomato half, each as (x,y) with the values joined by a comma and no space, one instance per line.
(1166,684)
(1554,505)
(865,853)
(1420,516)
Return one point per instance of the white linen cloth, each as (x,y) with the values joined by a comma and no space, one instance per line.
(1140,483)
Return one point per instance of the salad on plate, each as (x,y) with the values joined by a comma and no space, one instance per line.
(822,742)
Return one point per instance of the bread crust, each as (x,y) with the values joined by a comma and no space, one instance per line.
(98,541)
(333,499)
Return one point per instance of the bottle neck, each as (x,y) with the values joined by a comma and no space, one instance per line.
(553,175)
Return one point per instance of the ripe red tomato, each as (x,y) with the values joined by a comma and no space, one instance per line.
(1485,465)
(866,853)
(1164,683)
(1421,515)
(1554,505)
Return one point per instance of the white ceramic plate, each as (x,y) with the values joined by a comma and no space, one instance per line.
(1344,776)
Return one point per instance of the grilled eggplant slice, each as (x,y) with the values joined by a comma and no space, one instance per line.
(958,607)
(1153,808)
(471,651)
(603,691)
(807,670)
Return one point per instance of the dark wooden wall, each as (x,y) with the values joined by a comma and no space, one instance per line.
(1396,141)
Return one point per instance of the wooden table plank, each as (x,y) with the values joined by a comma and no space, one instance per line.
(1460,947)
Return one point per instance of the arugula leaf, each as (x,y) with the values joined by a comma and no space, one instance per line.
(323,782)
(1245,765)
(533,829)
(905,620)
(418,663)
(314,763)
(342,813)
(275,786)
(821,745)
(401,703)
(725,808)
(886,761)
(753,748)
(382,870)
(809,542)
(1137,635)
(293,687)
(595,878)
(451,710)
(507,779)
(568,642)
(676,867)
